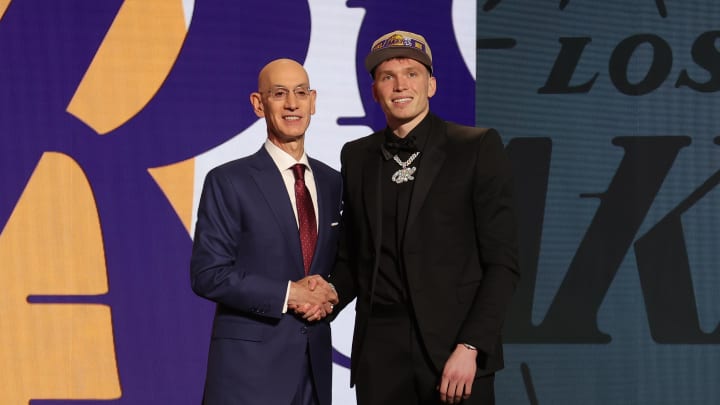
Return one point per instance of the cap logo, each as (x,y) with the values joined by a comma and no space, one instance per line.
(398,40)
(399,44)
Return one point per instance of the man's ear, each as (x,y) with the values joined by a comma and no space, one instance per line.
(432,86)
(313,98)
(258,107)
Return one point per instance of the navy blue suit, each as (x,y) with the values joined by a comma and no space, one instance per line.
(246,248)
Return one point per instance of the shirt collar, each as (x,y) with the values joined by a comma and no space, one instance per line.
(282,159)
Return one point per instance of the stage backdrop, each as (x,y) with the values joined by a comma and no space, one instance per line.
(111,113)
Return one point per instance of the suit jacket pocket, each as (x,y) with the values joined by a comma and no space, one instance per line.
(239,329)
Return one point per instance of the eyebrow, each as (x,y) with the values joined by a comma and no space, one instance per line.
(403,69)
(302,85)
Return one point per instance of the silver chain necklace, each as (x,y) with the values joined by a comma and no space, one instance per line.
(406,173)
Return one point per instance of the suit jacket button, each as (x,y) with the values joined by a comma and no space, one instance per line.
(303,330)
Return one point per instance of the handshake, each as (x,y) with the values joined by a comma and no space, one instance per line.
(312,297)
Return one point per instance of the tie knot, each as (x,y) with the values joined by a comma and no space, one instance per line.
(299,171)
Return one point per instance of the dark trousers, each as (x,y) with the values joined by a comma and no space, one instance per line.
(306,393)
(394,368)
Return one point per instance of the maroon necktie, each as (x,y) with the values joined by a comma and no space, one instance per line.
(306,216)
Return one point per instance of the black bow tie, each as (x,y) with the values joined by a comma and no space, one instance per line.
(393,144)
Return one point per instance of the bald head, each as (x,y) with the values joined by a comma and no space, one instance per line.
(282,70)
(286,102)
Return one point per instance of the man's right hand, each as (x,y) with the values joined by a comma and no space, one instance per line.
(312,297)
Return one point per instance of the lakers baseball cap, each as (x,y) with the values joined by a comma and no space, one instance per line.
(399,44)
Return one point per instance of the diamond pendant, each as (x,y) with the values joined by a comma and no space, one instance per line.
(403,175)
(406,173)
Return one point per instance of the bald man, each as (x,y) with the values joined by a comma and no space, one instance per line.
(265,238)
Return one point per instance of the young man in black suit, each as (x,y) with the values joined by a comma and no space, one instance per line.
(428,244)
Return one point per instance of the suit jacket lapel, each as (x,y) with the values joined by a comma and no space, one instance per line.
(324,209)
(271,185)
(372,192)
(372,196)
(430,164)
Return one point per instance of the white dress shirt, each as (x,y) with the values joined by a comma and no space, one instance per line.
(284,163)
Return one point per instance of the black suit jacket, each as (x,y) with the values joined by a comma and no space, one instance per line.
(460,247)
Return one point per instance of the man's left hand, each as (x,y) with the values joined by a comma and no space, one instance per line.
(458,375)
